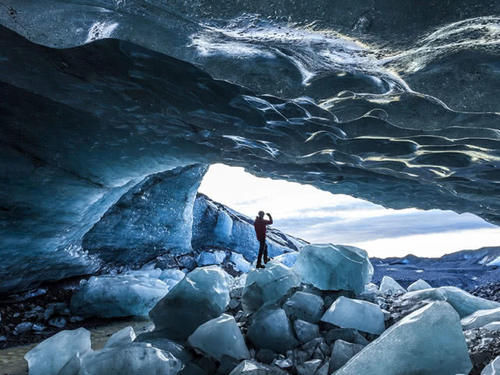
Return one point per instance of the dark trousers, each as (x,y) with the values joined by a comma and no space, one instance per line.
(262,251)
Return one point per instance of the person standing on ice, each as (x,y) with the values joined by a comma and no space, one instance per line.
(260,225)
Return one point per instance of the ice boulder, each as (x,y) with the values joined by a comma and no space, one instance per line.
(493,367)
(249,367)
(133,359)
(124,336)
(419,285)
(334,267)
(305,331)
(351,313)
(305,306)
(391,286)
(50,356)
(464,303)
(342,352)
(111,296)
(267,285)
(202,295)
(271,329)
(288,259)
(220,337)
(428,341)
(370,292)
(481,318)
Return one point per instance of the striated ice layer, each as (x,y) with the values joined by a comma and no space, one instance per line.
(202,295)
(108,296)
(302,92)
(264,286)
(481,318)
(351,313)
(464,303)
(220,337)
(51,355)
(133,359)
(428,341)
(334,267)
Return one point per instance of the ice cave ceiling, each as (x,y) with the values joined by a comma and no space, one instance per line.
(395,102)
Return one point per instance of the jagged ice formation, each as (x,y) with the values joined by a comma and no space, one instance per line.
(395,103)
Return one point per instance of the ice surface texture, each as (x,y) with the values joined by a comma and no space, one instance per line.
(418,285)
(220,337)
(118,295)
(330,267)
(105,93)
(493,368)
(464,303)
(361,315)
(50,356)
(202,295)
(428,341)
(390,286)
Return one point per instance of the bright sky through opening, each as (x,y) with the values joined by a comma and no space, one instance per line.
(319,216)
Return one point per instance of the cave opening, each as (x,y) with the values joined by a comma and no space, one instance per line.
(319,216)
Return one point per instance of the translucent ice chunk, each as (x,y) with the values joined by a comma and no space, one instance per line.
(330,267)
(305,306)
(267,285)
(390,286)
(351,313)
(202,295)
(494,326)
(288,259)
(50,356)
(493,367)
(133,359)
(220,337)
(464,303)
(122,337)
(419,285)
(428,341)
(120,295)
(481,318)
(270,329)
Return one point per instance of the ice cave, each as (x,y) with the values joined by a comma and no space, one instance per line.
(115,262)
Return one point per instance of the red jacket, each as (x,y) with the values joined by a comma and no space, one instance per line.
(260,226)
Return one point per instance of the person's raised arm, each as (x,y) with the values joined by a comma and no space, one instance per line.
(270,221)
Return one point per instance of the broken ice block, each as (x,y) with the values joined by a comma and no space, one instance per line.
(428,341)
(220,337)
(481,318)
(334,267)
(110,296)
(267,285)
(270,329)
(464,303)
(351,313)
(132,359)
(50,356)
(493,368)
(305,306)
(202,295)
(419,285)
(122,337)
(342,352)
(391,286)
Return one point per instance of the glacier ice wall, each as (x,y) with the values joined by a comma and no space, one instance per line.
(154,216)
(393,102)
